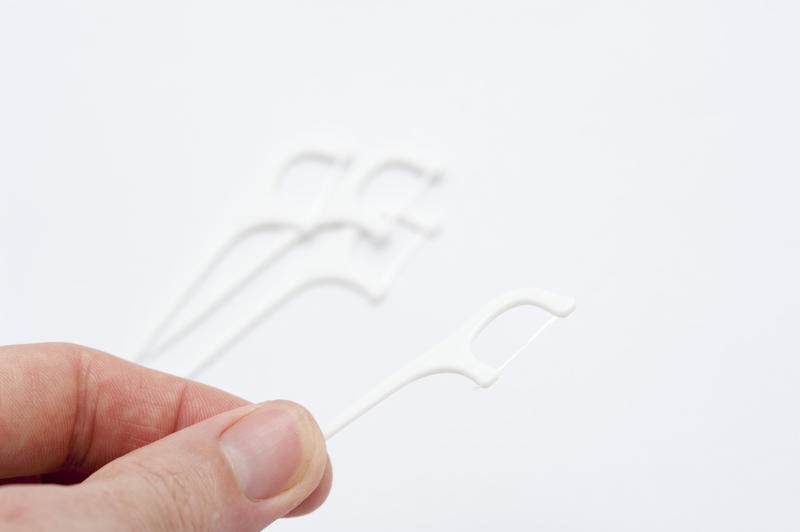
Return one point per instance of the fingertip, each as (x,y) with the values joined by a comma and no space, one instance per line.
(272,449)
(318,496)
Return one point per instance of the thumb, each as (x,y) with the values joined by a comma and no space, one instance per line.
(239,470)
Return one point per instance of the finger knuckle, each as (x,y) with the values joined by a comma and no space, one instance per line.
(179,506)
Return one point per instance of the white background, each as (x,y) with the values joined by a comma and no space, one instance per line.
(641,158)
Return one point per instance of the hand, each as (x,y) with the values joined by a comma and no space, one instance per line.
(92,442)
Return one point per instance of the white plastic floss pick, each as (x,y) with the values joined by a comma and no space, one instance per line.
(339,206)
(335,266)
(454,354)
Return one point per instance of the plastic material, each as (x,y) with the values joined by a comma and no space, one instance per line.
(339,206)
(336,266)
(454,355)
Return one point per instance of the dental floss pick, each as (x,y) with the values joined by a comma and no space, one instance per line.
(243,223)
(336,266)
(339,211)
(341,207)
(454,354)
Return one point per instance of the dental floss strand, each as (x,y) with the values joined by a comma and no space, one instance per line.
(530,340)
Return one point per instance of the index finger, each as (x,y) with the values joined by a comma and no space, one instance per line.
(68,407)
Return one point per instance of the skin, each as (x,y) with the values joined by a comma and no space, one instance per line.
(93,442)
